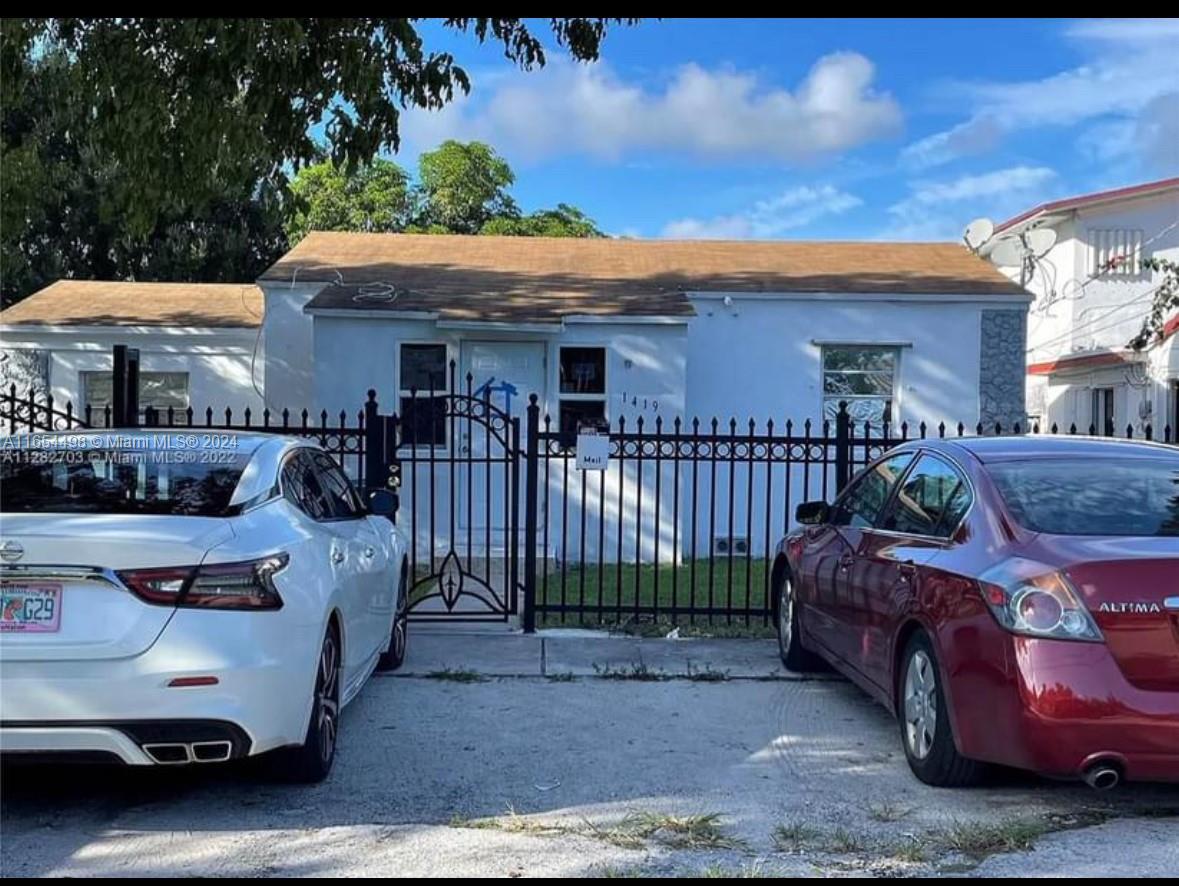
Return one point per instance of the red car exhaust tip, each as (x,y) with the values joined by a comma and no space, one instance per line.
(193,681)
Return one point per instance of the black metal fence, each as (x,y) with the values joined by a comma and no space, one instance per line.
(678,528)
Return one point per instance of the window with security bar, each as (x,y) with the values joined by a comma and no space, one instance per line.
(583,389)
(865,376)
(157,390)
(1115,252)
(422,371)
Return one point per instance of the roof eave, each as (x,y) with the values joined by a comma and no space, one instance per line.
(1070,205)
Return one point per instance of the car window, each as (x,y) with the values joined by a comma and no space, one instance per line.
(861,505)
(344,500)
(932,500)
(302,488)
(1074,496)
(117,480)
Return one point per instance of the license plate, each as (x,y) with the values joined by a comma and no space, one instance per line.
(30,607)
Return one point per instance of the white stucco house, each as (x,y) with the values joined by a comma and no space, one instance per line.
(612,329)
(1091,296)
(198,343)
(598,329)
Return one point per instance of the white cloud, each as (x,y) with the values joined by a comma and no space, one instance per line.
(725,113)
(1127,30)
(977,135)
(1157,133)
(791,209)
(1128,65)
(938,210)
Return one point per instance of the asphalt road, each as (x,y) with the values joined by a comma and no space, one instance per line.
(559,776)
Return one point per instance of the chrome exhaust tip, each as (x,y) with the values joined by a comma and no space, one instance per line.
(1102,777)
(211,751)
(172,753)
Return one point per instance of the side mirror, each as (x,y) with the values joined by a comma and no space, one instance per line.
(383,503)
(812,513)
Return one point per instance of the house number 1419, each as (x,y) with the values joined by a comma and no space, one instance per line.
(637,402)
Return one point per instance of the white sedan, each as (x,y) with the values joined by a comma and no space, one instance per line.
(168,598)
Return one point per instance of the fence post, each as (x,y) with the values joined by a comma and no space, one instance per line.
(374,444)
(125,386)
(531,493)
(119,386)
(842,448)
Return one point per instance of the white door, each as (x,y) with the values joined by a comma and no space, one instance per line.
(505,373)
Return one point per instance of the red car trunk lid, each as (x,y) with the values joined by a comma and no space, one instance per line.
(1131,586)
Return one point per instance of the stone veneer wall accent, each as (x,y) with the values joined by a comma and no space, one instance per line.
(1002,377)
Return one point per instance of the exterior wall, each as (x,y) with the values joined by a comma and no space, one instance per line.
(645,377)
(755,358)
(643,360)
(286,351)
(1073,314)
(218,361)
(1143,395)
(1096,326)
(1052,315)
(760,356)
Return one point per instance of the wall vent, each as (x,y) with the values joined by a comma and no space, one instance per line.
(724,544)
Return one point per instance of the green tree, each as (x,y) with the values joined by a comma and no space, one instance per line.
(63,201)
(175,100)
(1166,301)
(564,221)
(462,186)
(373,197)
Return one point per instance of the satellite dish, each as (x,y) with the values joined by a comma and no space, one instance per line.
(1039,240)
(1008,253)
(978,232)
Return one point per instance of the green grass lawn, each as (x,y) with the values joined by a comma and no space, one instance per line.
(656,590)
(611,591)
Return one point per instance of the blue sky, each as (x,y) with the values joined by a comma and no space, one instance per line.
(898,129)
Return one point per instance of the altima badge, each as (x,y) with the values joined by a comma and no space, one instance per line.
(1137,607)
(11,550)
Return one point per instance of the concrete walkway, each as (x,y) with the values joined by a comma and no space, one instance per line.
(581,653)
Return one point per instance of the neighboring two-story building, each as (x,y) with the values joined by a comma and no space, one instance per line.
(1092,295)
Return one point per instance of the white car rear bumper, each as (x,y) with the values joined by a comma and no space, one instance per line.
(103,740)
(264,666)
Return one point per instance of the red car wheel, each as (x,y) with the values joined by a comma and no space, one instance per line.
(924,717)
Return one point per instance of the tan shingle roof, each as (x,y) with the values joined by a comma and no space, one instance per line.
(102,303)
(544,278)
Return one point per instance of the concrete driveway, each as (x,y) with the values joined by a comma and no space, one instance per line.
(502,755)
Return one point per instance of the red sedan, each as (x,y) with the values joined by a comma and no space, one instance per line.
(1011,600)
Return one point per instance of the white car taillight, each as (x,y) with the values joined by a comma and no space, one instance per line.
(248,585)
(1035,600)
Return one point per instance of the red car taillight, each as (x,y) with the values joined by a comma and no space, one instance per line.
(1036,600)
(248,585)
(162,586)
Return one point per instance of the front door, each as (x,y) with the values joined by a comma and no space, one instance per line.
(503,373)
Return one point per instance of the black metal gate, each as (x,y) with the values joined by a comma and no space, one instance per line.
(454,460)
